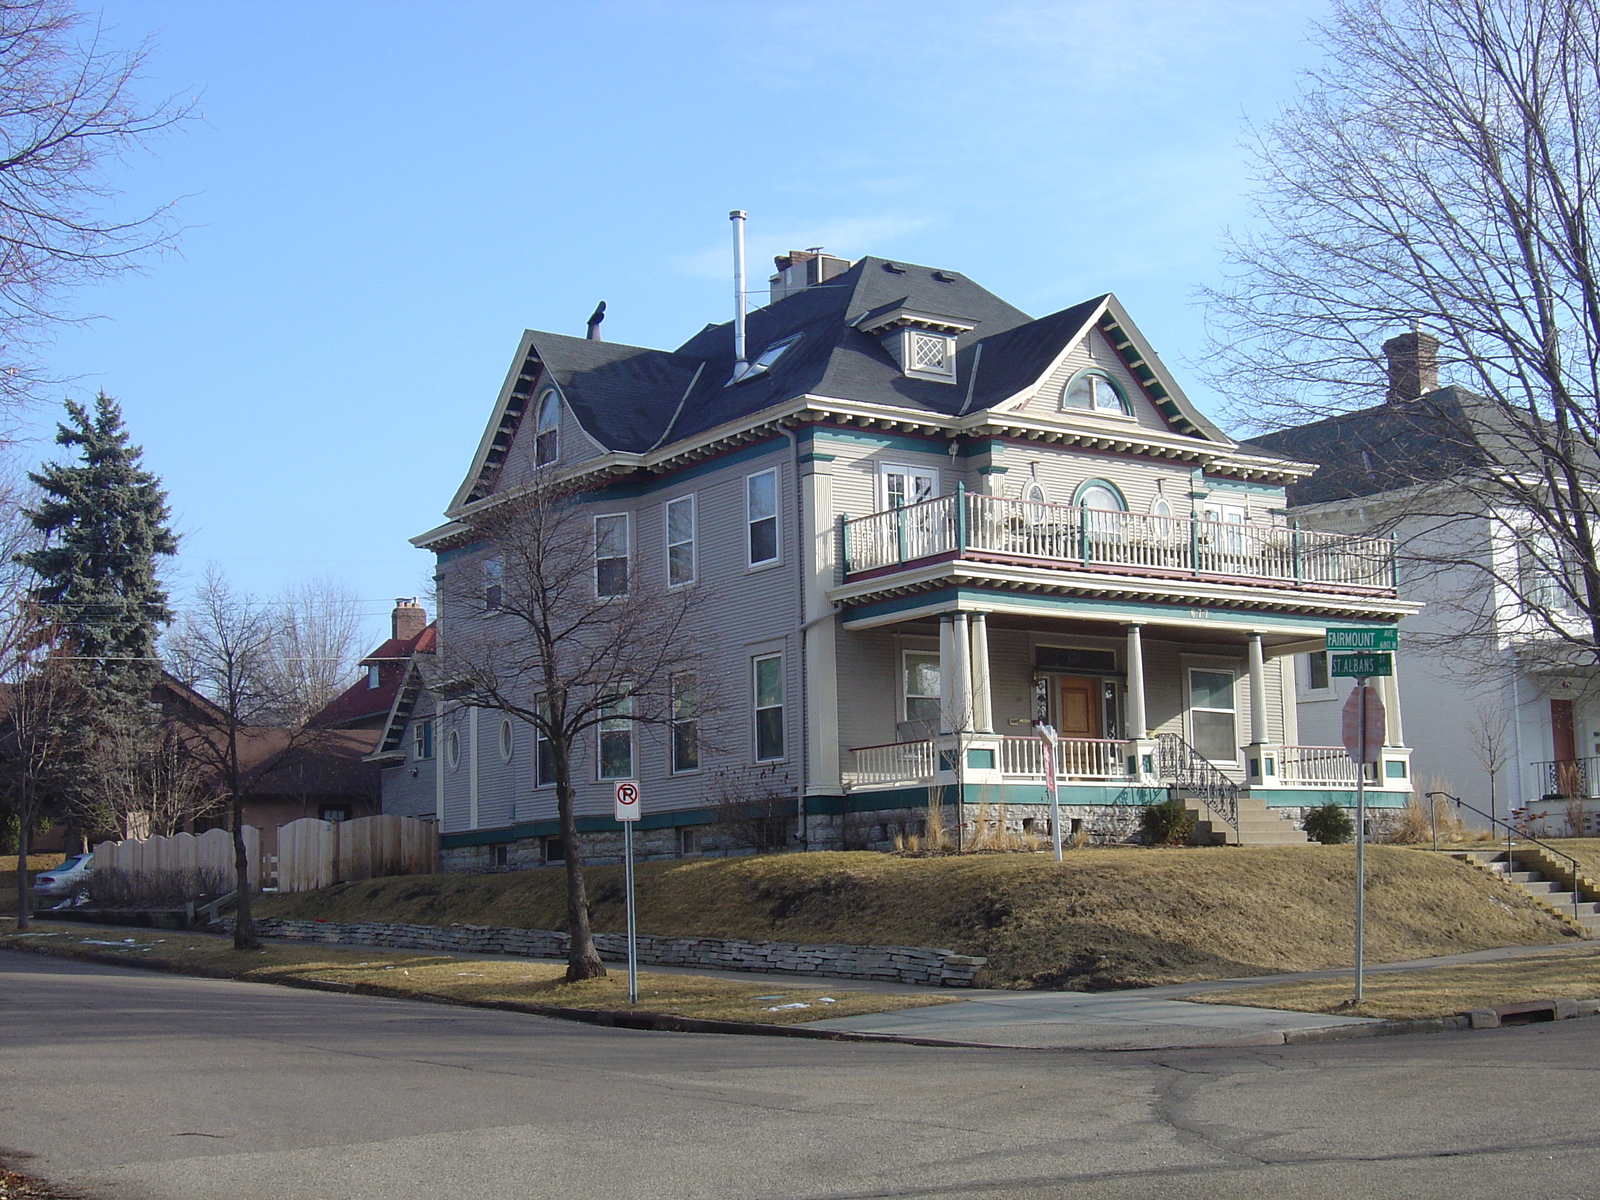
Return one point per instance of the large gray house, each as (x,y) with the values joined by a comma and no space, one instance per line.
(927,521)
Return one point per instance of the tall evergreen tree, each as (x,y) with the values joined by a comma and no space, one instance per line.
(104,524)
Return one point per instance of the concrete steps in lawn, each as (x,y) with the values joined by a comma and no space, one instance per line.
(1258,825)
(1555,894)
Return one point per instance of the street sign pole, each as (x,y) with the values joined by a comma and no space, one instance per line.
(1361,842)
(1047,735)
(627,811)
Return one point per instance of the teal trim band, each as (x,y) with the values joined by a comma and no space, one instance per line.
(1308,797)
(984,598)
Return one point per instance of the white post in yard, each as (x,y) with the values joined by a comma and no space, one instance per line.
(627,812)
(1047,751)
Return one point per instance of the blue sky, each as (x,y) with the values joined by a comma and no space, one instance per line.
(382,196)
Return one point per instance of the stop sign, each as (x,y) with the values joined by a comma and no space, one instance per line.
(1363,724)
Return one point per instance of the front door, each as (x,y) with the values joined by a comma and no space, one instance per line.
(1080,707)
(1564,742)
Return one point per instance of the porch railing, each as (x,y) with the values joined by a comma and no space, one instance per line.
(1076,758)
(1316,764)
(896,762)
(1570,778)
(1065,535)
(1180,764)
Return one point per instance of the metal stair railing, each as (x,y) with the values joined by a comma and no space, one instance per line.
(1511,862)
(1185,768)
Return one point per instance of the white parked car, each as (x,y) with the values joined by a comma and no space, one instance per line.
(70,878)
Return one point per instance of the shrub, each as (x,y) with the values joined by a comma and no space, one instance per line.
(1166,824)
(1329,824)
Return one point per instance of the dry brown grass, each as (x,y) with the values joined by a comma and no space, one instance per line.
(465,980)
(1435,991)
(1103,918)
(8,878)
(1585,850)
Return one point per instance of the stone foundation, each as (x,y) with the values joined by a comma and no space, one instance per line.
(889,964)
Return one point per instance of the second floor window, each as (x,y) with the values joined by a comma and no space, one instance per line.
(1541,580)
(493,583)
(422,739)
(611,555)
(761,513)
(680,541)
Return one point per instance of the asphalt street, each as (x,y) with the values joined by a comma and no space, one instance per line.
(133,1085)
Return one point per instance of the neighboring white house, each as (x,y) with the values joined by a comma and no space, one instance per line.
(1483,677)
(926,521)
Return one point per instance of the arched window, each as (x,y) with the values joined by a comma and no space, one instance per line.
(1095,391)
(1100,496)
(547,434)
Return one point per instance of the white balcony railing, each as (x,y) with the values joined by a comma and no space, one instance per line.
(1076,758)
(1316,765)
(1066,536)
(897,762)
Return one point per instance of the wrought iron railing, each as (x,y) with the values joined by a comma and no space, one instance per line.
(1570,778)
(1180,765)
(1066,535)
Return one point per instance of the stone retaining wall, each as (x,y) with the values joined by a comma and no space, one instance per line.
(890,964)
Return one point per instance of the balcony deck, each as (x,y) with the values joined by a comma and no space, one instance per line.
(1064,537)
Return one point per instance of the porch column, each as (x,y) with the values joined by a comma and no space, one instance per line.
(959,717)
(1258,692)
(1393,733)
(1137,722)
(948,718)
(982,708)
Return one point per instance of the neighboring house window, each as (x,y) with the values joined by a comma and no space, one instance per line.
(680,541)
(1539,574)
(493,583)
(507,740)
(768,671)
(547,438)
(921,675)
(331,812)
(616,740)
(761,514)
(685,725)
(452,749)
(544,761)
(1212,718)
(374,676)
(1095,391)
(611,555)
(422,739)
(1316,678)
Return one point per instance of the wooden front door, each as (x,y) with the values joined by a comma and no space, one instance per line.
(1563,740)
(1080,707)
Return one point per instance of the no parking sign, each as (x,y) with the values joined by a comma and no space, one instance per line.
(627,800)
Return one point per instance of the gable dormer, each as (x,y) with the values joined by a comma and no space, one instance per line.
(922,343)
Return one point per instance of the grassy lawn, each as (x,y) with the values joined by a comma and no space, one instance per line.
(465,980)
(1104,918)
(1436,991)
(8,877)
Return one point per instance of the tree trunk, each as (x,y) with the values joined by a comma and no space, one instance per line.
(24,901)
(583,960)
(244,928)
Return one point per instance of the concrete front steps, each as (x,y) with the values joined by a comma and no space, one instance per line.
(1547,881)
(1258,825)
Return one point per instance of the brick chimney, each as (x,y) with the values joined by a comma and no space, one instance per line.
(1413,366)
(408,619)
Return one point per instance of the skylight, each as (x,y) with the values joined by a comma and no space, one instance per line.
(765,359)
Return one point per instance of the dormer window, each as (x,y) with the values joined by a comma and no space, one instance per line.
(547,436)
(931,354)
(922,343)
(764,360)
(1095,391)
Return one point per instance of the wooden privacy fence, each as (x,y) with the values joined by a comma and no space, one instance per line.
(184,854)
(315,854)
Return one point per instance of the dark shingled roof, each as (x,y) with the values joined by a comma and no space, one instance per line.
(633,399)
(1391,446)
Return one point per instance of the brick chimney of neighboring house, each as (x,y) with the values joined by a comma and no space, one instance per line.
(408,619)
(1413,366)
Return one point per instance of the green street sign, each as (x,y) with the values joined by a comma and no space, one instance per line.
(1360,666)
(1363,639)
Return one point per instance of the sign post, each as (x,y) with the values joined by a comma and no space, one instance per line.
(627,811)
(1048,737)
(1363,737)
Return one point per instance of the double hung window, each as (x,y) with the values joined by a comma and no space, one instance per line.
(685,725)
(761,516)
(921,673)
(1212,717)
(422,739)
(494,578)
(768,682)
(611,555)
(616,740)
(544,762)
(680,541)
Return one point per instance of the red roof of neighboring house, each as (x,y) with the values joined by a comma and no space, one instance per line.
(363,702)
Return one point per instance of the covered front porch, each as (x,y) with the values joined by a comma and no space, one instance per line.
(1149,701)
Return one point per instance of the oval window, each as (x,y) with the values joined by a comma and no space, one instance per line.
(1033,498)
(1096,392)
(1160,508)
(452,748)
(507,743)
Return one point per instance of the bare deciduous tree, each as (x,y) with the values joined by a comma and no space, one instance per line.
(225,648)
(157,786)
(1437,176)
(570,641)
(316,640)
(1494,748)
(70,108)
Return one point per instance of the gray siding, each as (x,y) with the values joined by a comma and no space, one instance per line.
(408,789)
